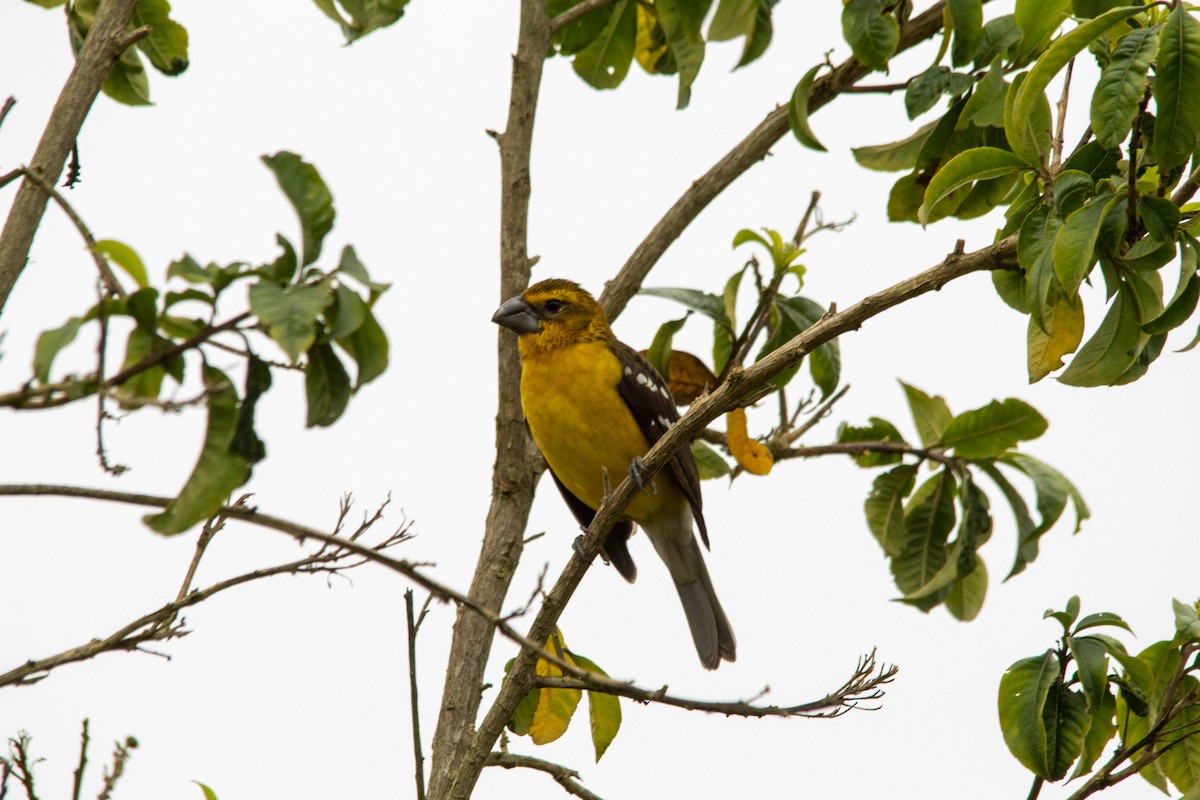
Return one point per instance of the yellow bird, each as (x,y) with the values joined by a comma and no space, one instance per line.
(595,407)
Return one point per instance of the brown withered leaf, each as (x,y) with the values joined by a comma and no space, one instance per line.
(689,377)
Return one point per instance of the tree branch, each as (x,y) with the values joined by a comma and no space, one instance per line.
(103,46)
(566,777)
(862,686)
(412,625)
(518,465)
(575,12)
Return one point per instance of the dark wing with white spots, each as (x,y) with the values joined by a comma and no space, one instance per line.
(647,395)
(616,547)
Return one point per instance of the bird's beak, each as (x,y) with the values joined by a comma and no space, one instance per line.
(517,315)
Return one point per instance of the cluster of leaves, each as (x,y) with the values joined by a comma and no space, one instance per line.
(166,46)
(545,713)
(357,18)
(305,310)
(996,146)
(1064,707)
(914,527)
(783,317)
(665,37)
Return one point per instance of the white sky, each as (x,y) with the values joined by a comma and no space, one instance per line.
(295,688)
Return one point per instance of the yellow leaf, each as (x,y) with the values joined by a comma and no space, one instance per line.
(1064,332)
(750,454)
(651,43)
(555,706)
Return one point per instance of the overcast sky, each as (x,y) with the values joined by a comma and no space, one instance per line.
(297,687)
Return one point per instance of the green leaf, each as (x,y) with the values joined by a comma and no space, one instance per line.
(1121,86)
(209,794)
(1038,20)
(659,354)
(798,111)
(709,461)
(985,106)
(309,195)
(217,472)
(928,520)
(369,348)
(1066,719)
(1072,188)
(1160,216)
(1028,134)
(349,264)
(167,44)
(1181,762)
(1102,618)
(966,18)
(894,156)
(604,63)
(577,35)
(1187,622)
(976,164)
(326,386)
(925,90)
(732,19)
(1176,87)
(346,313)
(604,710)
(931,414)
(246,442)
(998,37)
(1024,689)
(681,21)
(990,431)
(188,269)
(880,430)
(290,314)
(707,304)
(872,34)
(967,594)
(124,257)
(49,344)
(1074,245)
(366,16)
(1091,664)
(1180,307)
(1053,490)
(1100,731)
(148,382)
(127,83)
(825,366)
(885,507)
(1113,347)
(759,37)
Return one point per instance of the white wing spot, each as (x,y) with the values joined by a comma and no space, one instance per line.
(628,370)
(666,423)
(644,381)
(665,392)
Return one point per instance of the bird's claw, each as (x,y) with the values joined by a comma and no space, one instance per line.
(577,546)
(635,472)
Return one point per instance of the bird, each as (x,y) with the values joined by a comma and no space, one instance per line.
(595,406)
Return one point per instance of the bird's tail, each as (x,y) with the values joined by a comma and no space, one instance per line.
(710,627)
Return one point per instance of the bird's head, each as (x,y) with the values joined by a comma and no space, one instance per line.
(553,313)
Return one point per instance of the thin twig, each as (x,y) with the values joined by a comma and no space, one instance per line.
(111,284)
(121,754)
(566,777)
(7,107)
(83,746)
(18,749)
(418,757)
(575,12)
(1057,145)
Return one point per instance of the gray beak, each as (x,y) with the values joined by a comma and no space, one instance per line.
(518,316)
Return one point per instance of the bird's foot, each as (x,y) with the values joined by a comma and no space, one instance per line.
(635,472)
(577,546)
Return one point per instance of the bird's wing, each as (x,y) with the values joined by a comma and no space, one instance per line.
(616,548)
(652,405)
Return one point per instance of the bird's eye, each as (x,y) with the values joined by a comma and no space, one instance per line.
(554,306)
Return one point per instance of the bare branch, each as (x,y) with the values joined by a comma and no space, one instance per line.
(566,777)
(864,685)
(111,776)
(101,49)
(20,764)
(83,746)
(418,757)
